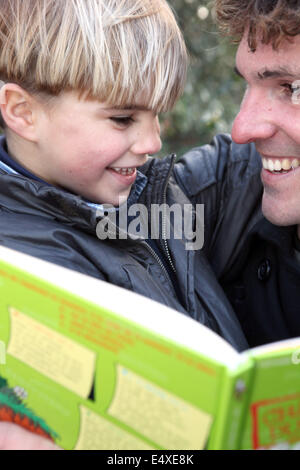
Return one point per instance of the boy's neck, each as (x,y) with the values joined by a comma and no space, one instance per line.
(23,152)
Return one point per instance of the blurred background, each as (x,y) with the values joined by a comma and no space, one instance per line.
(213,91)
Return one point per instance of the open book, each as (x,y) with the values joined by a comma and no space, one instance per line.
(93,366)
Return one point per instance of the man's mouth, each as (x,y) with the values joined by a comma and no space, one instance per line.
(283,165)
(124,171)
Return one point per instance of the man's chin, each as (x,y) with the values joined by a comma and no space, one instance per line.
(278,215)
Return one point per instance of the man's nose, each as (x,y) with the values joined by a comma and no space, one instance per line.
(256,119)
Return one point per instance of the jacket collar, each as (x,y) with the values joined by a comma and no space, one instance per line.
(49,201)
(11,166)
(276,236)
(281,237)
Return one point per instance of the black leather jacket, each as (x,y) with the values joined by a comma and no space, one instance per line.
(59,227)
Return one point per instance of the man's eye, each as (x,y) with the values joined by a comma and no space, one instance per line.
(291,87)
(122,120)
(287,88)
(292,90)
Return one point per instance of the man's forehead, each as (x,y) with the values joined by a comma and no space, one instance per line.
(266,63)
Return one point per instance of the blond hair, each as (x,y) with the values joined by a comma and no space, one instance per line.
(107,49)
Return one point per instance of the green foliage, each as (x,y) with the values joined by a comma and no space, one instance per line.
(213,91)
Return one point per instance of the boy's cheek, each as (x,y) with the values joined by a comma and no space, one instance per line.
(82,175)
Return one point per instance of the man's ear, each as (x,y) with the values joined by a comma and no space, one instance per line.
(18,109)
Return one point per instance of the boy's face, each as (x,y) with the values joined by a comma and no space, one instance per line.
(92,149)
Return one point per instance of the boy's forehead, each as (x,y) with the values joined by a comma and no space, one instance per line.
(140,101)
(107,106)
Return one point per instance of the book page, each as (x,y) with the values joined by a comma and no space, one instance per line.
(278,346)
(97,433)
(143,311)
(165,419)
(52,354)
(273,418)
(62,350)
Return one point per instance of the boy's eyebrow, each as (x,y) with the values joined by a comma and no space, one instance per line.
(128,108)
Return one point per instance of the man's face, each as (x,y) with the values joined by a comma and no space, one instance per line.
(270,117)
(92,149)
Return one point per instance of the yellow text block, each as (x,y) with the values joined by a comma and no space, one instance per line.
(162,417)
(52,354)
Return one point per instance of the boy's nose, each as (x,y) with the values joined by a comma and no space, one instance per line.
(255,121)
(148,141)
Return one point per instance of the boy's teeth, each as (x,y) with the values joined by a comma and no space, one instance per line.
(285,164)
(124,171)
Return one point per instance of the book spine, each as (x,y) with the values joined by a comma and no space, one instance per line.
(232,408)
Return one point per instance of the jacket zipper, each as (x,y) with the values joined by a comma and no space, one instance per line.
(163,241)
(155,256)
(160,263)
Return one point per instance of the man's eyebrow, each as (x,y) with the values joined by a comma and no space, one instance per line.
(280,72)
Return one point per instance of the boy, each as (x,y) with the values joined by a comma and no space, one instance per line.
(83,82)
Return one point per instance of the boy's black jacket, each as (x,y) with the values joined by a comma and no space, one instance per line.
(59,227)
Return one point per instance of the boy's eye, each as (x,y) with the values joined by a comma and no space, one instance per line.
(122,120)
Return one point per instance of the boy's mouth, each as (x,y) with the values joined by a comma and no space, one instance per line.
(124,171)
(280,166)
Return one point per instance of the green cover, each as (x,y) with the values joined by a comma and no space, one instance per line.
(90,378)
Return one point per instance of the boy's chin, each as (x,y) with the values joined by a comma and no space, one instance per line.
(116,201)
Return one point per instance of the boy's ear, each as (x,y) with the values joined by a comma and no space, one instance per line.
(18,109)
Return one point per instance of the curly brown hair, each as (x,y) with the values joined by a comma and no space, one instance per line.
(267,21)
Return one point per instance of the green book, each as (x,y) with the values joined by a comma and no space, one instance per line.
(92,366)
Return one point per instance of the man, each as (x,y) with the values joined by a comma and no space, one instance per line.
(263,286)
